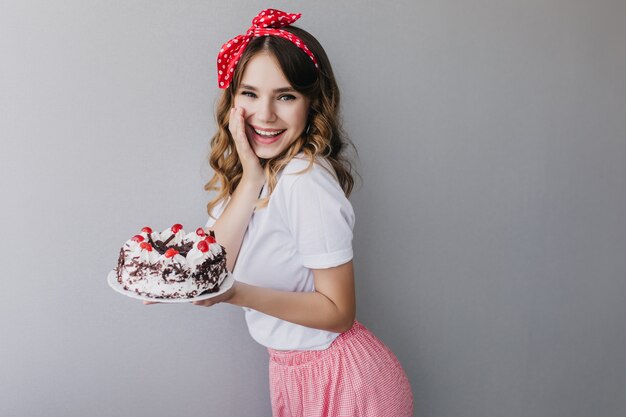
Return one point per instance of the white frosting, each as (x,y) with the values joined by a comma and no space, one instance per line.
(193,237)
(195,257)
(150,256)
(131,245)
(178,258)
(154,235)
(215,249)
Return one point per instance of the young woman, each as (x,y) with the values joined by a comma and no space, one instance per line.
(282,213)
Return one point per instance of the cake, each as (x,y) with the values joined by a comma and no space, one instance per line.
(171,264)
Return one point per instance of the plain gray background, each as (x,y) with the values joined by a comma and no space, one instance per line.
(490,239)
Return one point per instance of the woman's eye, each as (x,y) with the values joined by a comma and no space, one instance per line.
(286,97)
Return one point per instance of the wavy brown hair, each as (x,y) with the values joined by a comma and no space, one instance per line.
(324,136)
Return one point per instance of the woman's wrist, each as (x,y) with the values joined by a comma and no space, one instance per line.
(254,184)
(237,294)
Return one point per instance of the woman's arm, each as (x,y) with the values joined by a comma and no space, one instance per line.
(330,307)
(231,226)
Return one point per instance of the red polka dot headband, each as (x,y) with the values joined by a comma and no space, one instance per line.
(266,23)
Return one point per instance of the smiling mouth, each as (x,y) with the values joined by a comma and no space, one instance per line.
(268,133)
(266,137)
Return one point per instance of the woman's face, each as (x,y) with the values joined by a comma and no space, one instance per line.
(275,114)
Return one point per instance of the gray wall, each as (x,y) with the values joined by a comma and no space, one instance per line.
(490,235)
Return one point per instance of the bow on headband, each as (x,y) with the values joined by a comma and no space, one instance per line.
(266,23)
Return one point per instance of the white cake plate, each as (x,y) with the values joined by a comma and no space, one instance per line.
(225,286)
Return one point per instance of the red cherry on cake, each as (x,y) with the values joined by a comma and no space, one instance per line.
(170,253)
(209,239)
(147,230)
(176,228)
(203,246)
(200,231)
(138,238)
(146,246)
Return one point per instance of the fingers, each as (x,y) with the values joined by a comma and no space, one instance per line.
(237,127)
(204,303)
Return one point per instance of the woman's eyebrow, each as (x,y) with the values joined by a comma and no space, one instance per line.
(278,90)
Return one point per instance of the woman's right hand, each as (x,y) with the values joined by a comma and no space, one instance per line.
(252,170)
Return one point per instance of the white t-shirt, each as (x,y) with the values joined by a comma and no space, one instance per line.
(306,225)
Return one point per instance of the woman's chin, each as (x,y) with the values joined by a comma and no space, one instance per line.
(264,153)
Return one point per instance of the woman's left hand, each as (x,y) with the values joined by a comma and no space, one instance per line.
(252,170)
(227,296)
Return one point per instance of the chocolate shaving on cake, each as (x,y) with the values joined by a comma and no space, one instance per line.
(169,238)
(161,247)
(120,264)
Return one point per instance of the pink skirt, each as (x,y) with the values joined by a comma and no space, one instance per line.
(356,376)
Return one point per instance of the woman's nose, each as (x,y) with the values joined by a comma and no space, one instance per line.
(265,111)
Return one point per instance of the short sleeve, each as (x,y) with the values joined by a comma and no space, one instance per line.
(217,212)
(320,218)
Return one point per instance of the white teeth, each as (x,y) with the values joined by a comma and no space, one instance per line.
(268,133)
